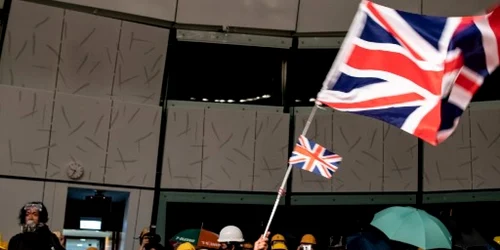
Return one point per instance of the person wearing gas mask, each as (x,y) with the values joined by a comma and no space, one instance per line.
(308,242)
(278,238)
(231,238)
(35,234)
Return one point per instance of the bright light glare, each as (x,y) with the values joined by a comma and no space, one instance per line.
(90,224)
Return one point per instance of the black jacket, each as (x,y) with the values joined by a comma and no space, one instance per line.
(41,239)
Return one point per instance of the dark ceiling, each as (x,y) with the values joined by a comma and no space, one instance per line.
(81,193)
(234,73)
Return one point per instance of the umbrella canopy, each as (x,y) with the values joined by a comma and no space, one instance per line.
(367,241)
(412,226)
(201,238)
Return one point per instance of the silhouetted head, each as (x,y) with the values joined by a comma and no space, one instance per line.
(34,212)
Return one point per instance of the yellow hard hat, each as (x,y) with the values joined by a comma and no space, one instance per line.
(278,237)
(3,244)
(308,239)
(279,246)
(186,246)
(247,245)
(92,248)
(497,239)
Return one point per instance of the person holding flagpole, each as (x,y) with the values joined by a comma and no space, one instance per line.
(262,242)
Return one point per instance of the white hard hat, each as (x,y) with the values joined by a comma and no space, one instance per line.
(230,234)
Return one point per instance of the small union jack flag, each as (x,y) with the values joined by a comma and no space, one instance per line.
(314,158)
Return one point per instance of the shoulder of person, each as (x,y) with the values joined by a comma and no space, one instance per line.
(15,238)
(14,242)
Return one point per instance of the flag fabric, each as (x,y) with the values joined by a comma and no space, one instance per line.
(416,72)
(281,192)
(312,157)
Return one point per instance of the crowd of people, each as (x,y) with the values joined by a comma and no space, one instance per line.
(36,235)
(231,238)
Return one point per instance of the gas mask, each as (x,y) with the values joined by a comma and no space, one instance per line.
(29,227)
(305,247)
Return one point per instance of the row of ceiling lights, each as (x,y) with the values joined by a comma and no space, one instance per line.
(232,101)
(310,100)
(245,100)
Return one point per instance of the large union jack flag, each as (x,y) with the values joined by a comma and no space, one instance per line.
(418,73)
(312,157)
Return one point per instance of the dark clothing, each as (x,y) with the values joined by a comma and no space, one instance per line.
(41,239)
(154,246)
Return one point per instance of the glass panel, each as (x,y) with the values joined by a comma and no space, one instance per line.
(309,72)
(490,91)
(226,73)
(82,243)
(471,224)
(251,219)
(313,65)
(104,210)
(336,223)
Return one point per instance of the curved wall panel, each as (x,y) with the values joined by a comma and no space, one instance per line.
(304,16)
(158,9)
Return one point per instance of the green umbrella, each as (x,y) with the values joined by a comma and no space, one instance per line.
(198,237)
(189,235)
(412,226)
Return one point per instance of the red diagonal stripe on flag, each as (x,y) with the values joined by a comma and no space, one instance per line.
(314,156)
(377,102)
(391,30)
(397,64)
